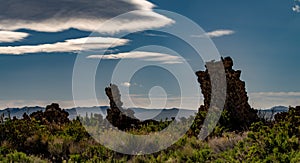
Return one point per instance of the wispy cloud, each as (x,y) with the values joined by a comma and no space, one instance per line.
(296,8)
(220,33)
(86,15)
(154,35)
(269,99)
(142,55)
(11,36)
(126,84)
(217,33)
(71,45)
(276,94)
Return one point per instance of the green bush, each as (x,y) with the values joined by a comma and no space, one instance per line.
(20,157)
(32,141)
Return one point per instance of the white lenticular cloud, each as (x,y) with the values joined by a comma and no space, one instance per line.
(10,36)
(142,55)
(71,45)
(216,33)
(86,15)
(220,33)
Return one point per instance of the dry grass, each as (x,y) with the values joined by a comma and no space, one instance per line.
(227,141)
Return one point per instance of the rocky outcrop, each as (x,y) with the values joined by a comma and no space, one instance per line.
(239,113)
(118,116)
(52,114)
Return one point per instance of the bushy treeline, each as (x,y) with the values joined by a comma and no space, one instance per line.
(42,140)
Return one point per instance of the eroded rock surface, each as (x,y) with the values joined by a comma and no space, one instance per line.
(118,116)
(52,114)
(239,113)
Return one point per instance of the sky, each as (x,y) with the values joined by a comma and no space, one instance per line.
(40,43)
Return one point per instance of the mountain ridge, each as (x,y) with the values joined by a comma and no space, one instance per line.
(141,113)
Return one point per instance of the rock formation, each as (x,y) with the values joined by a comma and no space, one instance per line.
(118,116)
(52,114)
(239,113)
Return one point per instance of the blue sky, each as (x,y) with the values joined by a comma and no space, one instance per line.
(39,44)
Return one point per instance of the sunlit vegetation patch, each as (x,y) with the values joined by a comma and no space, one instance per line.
(43,140)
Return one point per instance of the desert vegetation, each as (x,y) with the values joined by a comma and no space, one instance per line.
(47,140)
(239,136)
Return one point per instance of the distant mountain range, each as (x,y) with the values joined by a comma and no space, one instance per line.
(140,113)
(270,113)
(18,112)
(277,109)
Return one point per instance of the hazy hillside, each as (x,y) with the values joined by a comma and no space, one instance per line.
(140,113)
(269,114)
